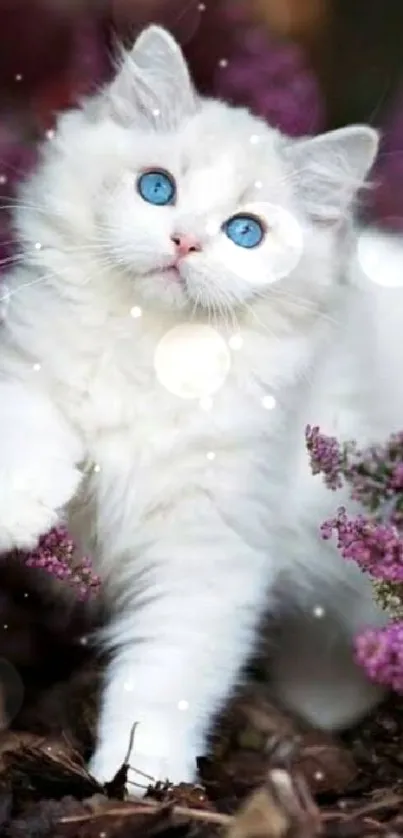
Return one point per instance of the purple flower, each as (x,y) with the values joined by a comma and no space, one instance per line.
(375,547)
(380,652)
(373,541)
(326,456)
(375,475)
(55,555)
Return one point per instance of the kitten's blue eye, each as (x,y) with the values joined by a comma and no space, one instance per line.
(157,187)
(244,230)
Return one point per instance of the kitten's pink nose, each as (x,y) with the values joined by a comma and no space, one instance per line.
(185,243)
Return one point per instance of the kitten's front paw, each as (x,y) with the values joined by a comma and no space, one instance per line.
(28,507)
(146,769)
(23,522)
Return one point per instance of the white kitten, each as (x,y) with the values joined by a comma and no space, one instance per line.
(155,209)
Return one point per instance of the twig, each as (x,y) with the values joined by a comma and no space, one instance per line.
(388,802)
(151,809)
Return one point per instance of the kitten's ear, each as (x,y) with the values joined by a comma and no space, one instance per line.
(328,170)
(153,82)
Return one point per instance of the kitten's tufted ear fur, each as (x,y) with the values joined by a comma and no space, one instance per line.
(153,84)
(328,170)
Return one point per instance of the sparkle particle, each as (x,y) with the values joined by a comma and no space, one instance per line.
(50,134)
(36,367)
(38,246)
(223,62)
(97,468)
(268,402)
(318,611)
(202,7)
(3,179)
(18,77)
(183,704)
(136,311)
(210,455)
(254,139)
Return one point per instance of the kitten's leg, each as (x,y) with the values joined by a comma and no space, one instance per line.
(38,457)
(178,652)
(313,671)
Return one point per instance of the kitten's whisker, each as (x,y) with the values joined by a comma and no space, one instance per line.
(14,258)
(101,268)
(303,304)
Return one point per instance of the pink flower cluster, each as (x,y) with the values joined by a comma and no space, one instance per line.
(374,541)
(377,548)
(55,555)
(380,652)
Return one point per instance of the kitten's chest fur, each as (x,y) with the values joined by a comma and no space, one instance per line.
(111,383)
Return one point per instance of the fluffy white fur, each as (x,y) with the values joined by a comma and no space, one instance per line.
(192,551)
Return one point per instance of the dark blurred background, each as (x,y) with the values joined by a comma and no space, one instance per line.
(305,65)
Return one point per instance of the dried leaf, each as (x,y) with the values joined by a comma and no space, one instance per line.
(280,808)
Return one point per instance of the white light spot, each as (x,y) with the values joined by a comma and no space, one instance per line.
(258,184)
(319,775)
(183,705)
(212,228)
(206,403)
(223,62)
(268,402)
(210,455)
(97,468)
(18,77)
(38,246)
(380,258)
(50,134)
(236,342)
(156,112)
(128,686)
(254,139)
(3,179)
(5,626)
(202,7)
(26,596)
(136,311)
(84,641)
(318,611)
(36,367)
(192,361)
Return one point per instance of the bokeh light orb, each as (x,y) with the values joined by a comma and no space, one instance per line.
(192,361)
(380,257)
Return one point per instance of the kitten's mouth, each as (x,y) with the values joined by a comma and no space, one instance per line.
(172,273)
